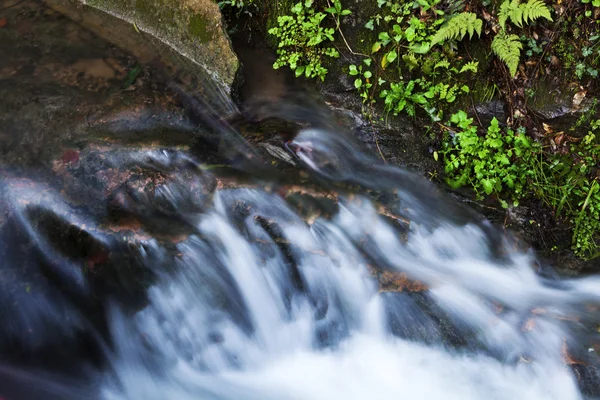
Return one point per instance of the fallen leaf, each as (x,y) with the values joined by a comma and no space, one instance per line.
(578,98)
(399,282)
(3,22)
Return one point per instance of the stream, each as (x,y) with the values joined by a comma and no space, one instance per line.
(152,249)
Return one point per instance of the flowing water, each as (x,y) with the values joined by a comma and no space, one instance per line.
(147,255)
(260,302)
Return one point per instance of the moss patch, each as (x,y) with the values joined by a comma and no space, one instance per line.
(197,28)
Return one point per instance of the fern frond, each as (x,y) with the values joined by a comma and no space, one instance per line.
(520,13)
(508,49)
(470,66)
(535,9)
(457,28)
(507,10)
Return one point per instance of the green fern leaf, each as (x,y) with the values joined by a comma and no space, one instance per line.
(508,49)
(516,13)
(535,9)
(506,9)
(470,66)
(457,27)
(520,13)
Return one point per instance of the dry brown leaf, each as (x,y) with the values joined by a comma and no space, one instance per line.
(399,282)
(578,98)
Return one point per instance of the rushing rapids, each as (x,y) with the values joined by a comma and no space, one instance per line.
(150,254)
(250,298)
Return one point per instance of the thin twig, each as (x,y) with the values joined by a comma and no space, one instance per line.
(338,27)
(379,149)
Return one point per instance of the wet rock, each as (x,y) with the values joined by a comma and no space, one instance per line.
(88,167)
(490,110)
(560,105)
(190,27)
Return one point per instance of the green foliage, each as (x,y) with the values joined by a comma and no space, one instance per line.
(508,49)
(457,28)
(508,46)
(510,166)
(405,72)
(595,3)
(337,11)
(487,163)
(415,63)
(570,184)
(520,13)
(533,47)
(302,40)
(363,78)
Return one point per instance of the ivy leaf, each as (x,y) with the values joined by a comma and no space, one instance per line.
(510,182)
(391,56)
(384,62)
(420,48)
(503,159)
(352,70)
(346,12)
(384,37)
(495,143)
(309,70)
(369,25)
(410,34)
(367,74)
(488,186)
(299,71)
(358,83)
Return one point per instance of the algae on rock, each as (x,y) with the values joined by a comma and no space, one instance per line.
(194,28)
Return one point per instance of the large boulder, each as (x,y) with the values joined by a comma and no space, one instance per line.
(192,28)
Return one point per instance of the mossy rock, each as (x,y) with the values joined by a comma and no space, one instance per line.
(194,28)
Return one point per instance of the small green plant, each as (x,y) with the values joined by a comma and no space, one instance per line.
(582,188)
(363,78)
(337,11)
(488,163)
(533,47)
(302,40)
